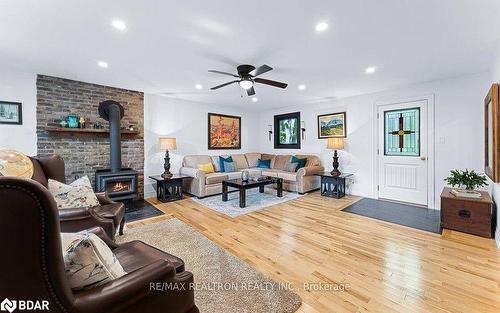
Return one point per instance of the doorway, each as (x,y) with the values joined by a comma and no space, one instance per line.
(403,163)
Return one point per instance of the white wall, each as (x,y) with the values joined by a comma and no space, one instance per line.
(458,129)
(186,121)
(16,86)
(495,78)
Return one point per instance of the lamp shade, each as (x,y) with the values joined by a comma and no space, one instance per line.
(168,143)
(335,143)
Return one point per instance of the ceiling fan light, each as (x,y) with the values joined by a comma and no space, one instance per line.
(246,84)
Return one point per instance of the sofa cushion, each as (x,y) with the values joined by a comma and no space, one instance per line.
(270,172)
(252,159)
(300,162)
(230,167)
(78,194)
(271,157)
(240,160)
(234,175)
(88,261)
(312,160)
(206,168)
(288,176)
(290,167)
(215,162)
(254,172)
(280,161)
(264,163)
(215,178)
(194,160)
(223,159)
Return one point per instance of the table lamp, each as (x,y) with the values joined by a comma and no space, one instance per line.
(167,143)
(335,144)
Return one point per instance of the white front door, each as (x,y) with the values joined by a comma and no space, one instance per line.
(402,152)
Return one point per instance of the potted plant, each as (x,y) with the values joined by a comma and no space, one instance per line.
(469,180)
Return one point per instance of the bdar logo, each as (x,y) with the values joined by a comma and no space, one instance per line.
(8,305)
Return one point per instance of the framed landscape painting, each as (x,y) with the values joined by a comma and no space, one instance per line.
(332,125)
(11,113)
(224,131)
(287,131)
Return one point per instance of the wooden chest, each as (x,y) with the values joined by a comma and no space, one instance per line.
(473,216)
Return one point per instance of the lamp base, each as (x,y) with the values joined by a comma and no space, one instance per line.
(167,175)
(335,172)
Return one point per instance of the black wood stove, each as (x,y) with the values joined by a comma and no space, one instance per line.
(120,183)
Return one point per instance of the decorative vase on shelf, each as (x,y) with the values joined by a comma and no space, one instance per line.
(63,124)
(72,121)
(245,175)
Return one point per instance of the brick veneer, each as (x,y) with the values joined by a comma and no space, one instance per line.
(84,153)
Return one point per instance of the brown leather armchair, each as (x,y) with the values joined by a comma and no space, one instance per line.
(109,215)
(33,267)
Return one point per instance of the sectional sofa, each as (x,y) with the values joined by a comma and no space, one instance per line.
(202,184)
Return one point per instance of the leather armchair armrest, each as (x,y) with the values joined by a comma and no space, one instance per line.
(99,232)
(103,198)
(310,170)
(192,172)
(116,294)
(74,214)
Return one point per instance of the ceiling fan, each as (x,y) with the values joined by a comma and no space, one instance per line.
(247,76)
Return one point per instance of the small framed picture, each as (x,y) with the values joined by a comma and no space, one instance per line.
(11,113)
(331,125)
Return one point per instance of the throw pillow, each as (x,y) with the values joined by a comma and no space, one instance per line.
(300,162)
(207,168)
(222,160)
(88,261)
(264,163)
(229,167)
(78,194)
(290,167)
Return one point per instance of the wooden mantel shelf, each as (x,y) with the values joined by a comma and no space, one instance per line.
(89,131)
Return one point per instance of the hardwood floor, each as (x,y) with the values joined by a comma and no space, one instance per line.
(386,267)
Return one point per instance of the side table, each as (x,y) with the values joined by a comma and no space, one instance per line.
(169,189)
(333,186)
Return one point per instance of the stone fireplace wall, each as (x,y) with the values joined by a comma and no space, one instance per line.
(84,153)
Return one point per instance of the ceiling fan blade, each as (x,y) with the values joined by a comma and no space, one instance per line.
(261,70)
(224,73)
(270,82)
(251,91)
(223,85)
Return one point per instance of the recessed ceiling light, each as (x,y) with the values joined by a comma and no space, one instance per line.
(102,64)
(301,87)
(370,70)
(255,99)
(321,27)
(198,86)
(119,24)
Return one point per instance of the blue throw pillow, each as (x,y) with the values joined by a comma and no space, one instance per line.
(221,162)
(300,162)
(229,167)
(264,163)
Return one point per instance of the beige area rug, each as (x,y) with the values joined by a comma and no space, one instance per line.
(224,282)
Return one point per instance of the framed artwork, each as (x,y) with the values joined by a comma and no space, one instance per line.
(11,113)
(332,125)
(287,131)
(492,134)
(224,131)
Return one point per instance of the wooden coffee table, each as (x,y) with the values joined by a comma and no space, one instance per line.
(242,186)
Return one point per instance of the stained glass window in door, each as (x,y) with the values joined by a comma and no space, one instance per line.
(402,132)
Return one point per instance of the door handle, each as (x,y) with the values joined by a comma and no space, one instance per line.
(423,158)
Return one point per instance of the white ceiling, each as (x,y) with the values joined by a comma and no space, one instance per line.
(169,45)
